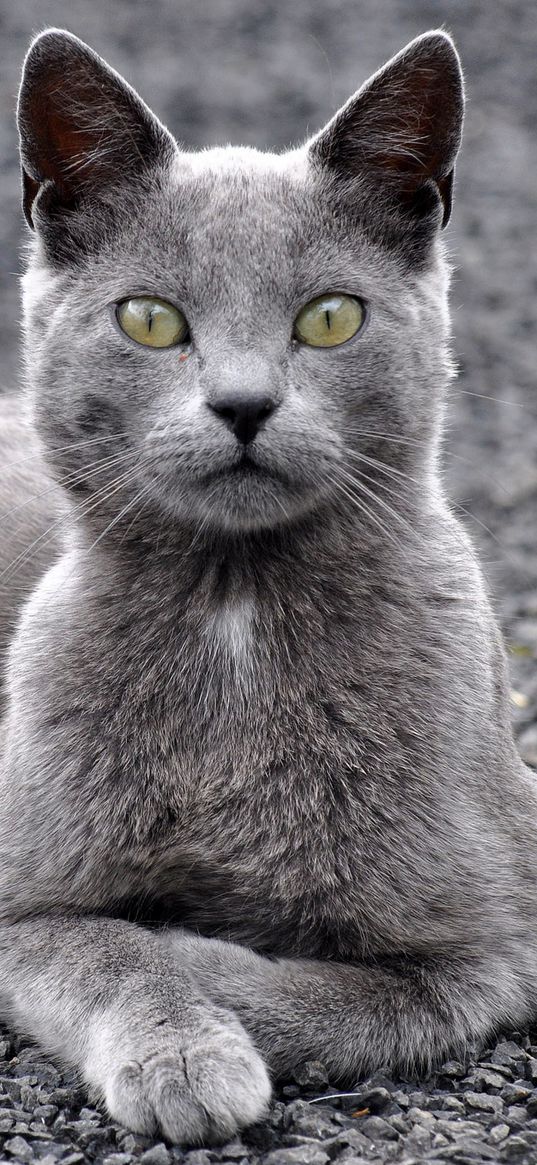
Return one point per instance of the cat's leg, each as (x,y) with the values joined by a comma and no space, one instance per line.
(107,998)
(356,1017)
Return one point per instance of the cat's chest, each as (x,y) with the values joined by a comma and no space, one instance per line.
(258,786)
(267,838)
(261,864)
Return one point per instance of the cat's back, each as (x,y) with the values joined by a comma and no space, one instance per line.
(30,504)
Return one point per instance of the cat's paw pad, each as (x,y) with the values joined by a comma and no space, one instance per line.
(196,1092)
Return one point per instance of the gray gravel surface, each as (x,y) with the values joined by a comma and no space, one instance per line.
(484,1110)
(268,72)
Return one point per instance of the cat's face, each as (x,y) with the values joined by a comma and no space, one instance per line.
(250,414)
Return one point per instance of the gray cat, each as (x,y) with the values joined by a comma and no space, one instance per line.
(260,799)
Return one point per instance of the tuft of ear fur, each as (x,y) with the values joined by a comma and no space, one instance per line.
(82,127)
(404,125)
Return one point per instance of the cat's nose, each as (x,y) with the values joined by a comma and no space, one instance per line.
(243,414)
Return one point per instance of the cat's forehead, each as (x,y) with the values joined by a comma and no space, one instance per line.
(236,215)
(239,191)
(236,163)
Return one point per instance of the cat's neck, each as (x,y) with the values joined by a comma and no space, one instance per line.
(323,561)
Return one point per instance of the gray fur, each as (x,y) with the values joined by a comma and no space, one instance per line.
(260,799)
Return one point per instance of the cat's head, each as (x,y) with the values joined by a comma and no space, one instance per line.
(222,337)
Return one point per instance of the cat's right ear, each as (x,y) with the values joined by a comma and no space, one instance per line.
(82,128)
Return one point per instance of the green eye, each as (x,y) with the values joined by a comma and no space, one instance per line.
(152,322)
(329,320)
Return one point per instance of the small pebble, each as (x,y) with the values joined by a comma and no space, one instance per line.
(157,1155)
(234,1151)
(482,1079)
(517,1093)
(303,1155)
(516,1115)
(507,1052)
(46,1112)
(483,1102)
(401,1099)
(498,1133)
(311,1074)
(378,1129)
(453,1069)
(512,1148)
(452,1104)
(19,1148)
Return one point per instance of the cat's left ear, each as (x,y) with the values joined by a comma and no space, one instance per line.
(82,127)
(403,126)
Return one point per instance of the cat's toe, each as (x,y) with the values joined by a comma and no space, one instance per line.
(196,1094)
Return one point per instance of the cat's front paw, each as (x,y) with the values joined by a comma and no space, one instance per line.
(195,1090)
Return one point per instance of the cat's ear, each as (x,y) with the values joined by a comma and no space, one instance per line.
(82,127)
(404,125)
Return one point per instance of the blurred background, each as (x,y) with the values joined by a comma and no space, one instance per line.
(269,72)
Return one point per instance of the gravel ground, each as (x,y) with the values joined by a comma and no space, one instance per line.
(484,1110)
(266,72)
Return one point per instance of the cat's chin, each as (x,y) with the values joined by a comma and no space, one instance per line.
(247,501)
(241,501)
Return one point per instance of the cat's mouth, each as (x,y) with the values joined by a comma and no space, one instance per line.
(244,467)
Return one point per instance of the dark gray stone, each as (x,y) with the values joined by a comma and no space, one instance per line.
(483,1102)
(452,1104)
(378,1129)
(290,1091)
(157,1155)
(401,1098)
(377,1099)
(418,1140)
(46,1112)
(199,1157)
(301,1155)
(484,1079)
(509,1053)
(500,1069)
(516,1115)
(11,1087)
(458,1128)
(517,1093)
(311,1074)
(310,1121)
(498,1133)
(453,1070)
(19,1148)
(349,1140)
(514,1148)
(233,1151)
(133,1142)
